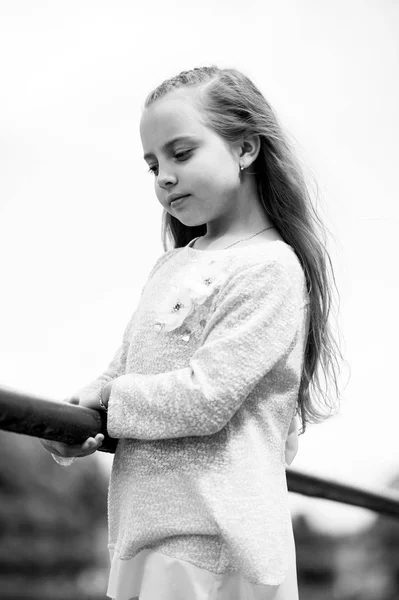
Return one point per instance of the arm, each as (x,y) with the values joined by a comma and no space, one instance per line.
(65,454)
(115,368)
(253,324)
(89,396)
(118,364)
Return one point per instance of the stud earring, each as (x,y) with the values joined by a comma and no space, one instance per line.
(241,167)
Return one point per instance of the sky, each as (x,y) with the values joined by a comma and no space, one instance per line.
(80,226)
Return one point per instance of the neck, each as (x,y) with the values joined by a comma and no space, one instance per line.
(245,216)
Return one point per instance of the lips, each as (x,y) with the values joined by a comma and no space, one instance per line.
(174,198)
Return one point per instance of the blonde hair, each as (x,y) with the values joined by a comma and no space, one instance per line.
(234,108)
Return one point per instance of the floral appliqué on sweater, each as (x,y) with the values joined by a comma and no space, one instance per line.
(187,296)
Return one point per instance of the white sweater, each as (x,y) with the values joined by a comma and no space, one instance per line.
(205,387)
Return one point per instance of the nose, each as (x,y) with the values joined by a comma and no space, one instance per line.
(166,178)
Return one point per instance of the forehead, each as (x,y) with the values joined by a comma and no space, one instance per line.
(175,114)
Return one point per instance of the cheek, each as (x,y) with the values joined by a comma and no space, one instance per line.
(217,171)
(223,178)
(159,193)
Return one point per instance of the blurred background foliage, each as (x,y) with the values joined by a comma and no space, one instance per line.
(53,536)
(53,531)
(360,566)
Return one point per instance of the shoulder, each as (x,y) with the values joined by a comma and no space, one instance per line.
(273,259)
(275,251)
(270,269)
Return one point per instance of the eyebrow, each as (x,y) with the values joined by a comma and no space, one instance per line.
(169,144)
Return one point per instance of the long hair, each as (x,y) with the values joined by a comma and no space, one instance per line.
(234,108)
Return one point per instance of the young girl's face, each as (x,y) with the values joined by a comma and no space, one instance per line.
(189,159)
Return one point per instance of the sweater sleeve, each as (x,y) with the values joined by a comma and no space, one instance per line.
(252,326)
(115,368)
(117,365)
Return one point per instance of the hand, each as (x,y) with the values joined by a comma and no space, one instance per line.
(89,446)
(92,399)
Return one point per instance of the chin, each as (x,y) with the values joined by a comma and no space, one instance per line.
(190,222)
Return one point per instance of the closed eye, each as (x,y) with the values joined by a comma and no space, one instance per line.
(180,156)
(183,155)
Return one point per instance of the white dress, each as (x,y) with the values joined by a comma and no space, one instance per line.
(152,575)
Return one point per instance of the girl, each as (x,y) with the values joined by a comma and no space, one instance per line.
(216,364)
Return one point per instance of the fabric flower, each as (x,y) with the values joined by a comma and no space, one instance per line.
(193,288)
(174,308)
(201,281)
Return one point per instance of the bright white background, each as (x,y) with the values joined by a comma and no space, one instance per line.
(80,226)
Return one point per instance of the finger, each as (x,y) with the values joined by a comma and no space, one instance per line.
(91,444)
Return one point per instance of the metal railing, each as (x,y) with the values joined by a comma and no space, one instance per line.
(72,424)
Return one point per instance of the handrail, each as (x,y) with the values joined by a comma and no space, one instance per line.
(329,489)
(72,424)
(46,419)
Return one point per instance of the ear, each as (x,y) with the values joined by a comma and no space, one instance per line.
(249,150)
